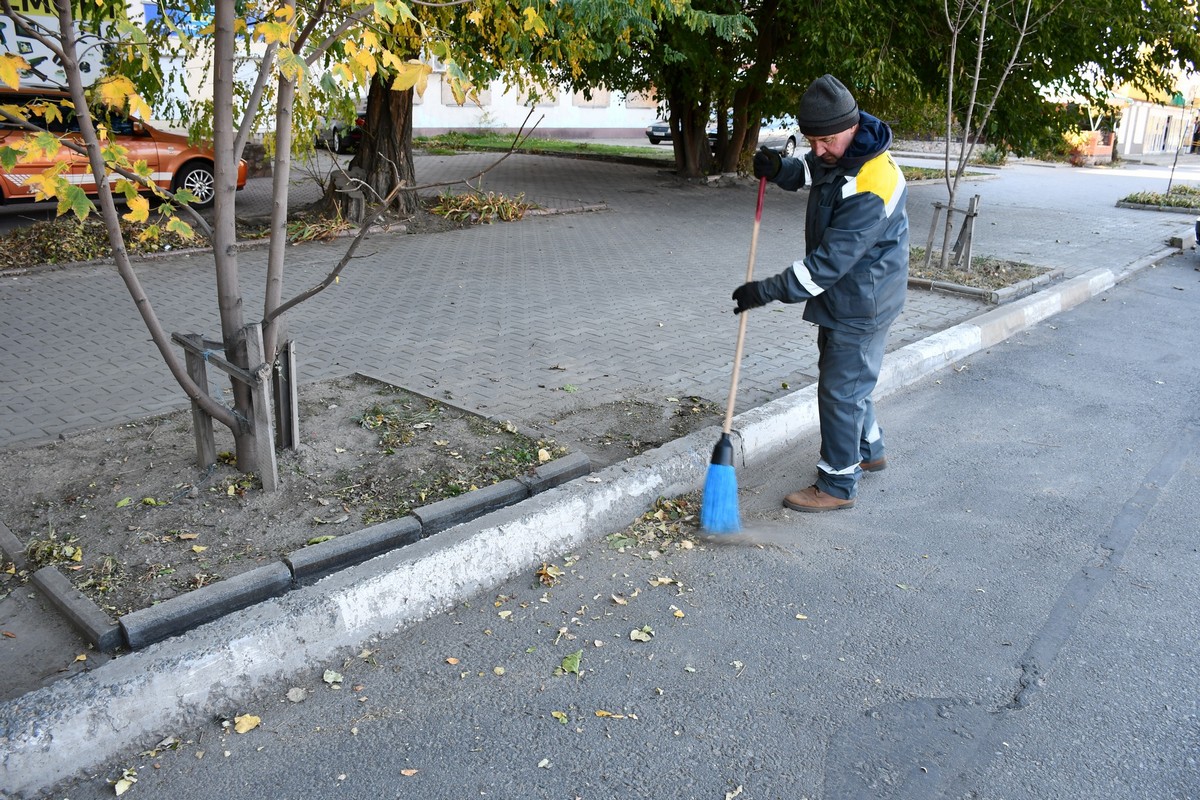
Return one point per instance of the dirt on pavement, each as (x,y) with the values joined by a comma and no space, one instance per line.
(127,515)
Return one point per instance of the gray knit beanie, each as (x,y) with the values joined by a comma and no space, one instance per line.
(826,108)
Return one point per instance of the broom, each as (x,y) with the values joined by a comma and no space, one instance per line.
(719,508)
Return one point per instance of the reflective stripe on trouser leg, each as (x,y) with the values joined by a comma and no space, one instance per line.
(848,366)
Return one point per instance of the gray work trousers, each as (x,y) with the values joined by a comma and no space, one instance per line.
(849,363)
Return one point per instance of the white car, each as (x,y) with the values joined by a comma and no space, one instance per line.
(780,134)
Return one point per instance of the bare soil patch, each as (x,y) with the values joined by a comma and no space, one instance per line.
(127,515)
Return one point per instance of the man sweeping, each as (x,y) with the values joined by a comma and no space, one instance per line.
(853,277)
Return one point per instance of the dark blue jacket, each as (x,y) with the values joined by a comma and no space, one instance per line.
(854,274)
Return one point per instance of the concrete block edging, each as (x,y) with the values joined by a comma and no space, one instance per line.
(190,609)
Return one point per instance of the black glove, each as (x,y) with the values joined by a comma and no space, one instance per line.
(749,295)
(767,163)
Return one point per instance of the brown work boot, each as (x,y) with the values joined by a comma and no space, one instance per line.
(878,465)
(813,499)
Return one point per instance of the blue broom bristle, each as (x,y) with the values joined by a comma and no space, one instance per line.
(719,509)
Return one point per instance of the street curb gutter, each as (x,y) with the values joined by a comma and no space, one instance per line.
(53,733)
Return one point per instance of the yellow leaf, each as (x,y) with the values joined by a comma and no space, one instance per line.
(139,209)
(475,17)
(533,23)
(678,613)
(122,785)
(412,75)
(81,657)
(115,90)
(185,537)
(245,723)
(10,65)
(198,548)
(543,455)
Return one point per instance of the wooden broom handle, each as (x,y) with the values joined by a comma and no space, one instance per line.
(741,335)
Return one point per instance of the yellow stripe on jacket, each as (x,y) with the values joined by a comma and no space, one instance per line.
(880,176)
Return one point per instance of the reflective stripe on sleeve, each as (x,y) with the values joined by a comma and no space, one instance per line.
(805,278)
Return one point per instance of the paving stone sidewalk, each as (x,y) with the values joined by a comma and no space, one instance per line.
(537,318)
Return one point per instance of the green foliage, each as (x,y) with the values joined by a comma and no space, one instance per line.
(1179,196)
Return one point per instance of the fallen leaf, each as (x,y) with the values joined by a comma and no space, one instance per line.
(643,635)
(544,763)
(560,716)
(331,677)
(245,723)
(198,548)
(498,670)
(621,601)
(733,794)
(801,616)
(81,657)
(408,773)
(186,537)
(571,663)
(124,501)
(8,634)
(504,614)
(603,713)
(297,694)
(549,574)
(452,661)
(125,782)
(543,455)
(662,581)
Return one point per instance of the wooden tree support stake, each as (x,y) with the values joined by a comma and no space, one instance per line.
(198,354)
(965,234)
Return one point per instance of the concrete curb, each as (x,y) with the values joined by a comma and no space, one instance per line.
(53,733)
(183,612)
(84,615)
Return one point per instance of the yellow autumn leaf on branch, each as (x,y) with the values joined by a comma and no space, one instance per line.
(11,65)
(533,23)
(139,209)
(114,91)
(412,75)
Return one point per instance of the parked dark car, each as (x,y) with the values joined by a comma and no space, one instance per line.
(342,138)
(658,131)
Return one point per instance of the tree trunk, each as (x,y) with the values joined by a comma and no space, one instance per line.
(384,155)
(224,226)
(693,156)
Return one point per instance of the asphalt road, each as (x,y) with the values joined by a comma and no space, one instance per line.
(1007,614)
